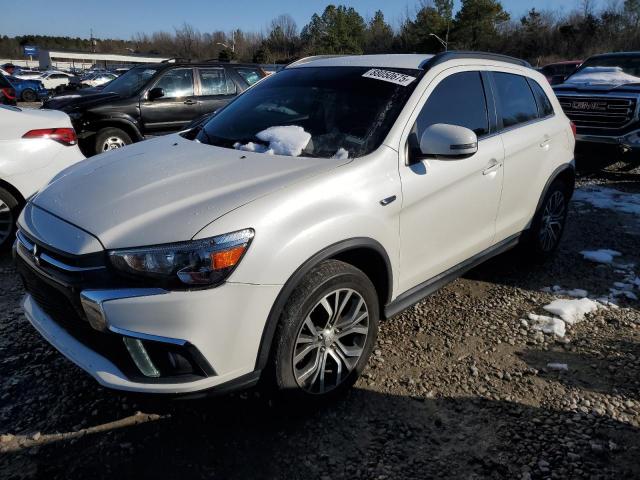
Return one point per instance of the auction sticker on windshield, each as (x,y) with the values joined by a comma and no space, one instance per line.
(388,76)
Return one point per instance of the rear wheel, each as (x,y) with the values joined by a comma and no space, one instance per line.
(326,332)
(29,95)
(547,227)
(110,139)
(9,209)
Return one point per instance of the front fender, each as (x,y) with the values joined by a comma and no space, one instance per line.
(298,221)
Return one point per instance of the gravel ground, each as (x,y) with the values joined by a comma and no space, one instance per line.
(458,387)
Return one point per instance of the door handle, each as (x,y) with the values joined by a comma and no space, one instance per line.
(546,142)
(491,167)
(190,102)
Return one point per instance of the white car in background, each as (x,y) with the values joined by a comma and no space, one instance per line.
(98,79)
(53,80)
(35,145)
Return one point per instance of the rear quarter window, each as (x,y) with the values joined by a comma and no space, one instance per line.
(545,108)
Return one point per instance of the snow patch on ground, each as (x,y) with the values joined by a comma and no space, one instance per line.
(287,140)
(600,256)
(572,311)
(549,325)
(558,366)
(609,198)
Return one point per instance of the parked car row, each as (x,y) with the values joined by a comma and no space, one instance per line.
(269,239)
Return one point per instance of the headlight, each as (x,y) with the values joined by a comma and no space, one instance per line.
(198,262)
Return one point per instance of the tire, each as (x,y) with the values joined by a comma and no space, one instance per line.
(111,138)
(315,363)
(29,95)
(9,210)
(543,238)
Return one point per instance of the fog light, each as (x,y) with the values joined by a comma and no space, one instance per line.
(140,357)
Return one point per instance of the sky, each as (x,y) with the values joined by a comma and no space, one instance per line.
(123,18)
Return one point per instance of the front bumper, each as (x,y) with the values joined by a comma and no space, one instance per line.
(629,141)
(218,331)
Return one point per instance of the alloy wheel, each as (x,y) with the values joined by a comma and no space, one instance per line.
(111,143)
(552,221)
(330,341)
(6,222)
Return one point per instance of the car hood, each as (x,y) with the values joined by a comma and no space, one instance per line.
(167,189)
(78,101)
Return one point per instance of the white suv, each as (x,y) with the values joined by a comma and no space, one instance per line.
(269,240)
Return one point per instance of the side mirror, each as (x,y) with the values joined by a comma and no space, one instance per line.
(443,140)
(155,93)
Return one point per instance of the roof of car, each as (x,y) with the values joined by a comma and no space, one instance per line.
(411,61)
(617,54)
(408,60)
(565,62)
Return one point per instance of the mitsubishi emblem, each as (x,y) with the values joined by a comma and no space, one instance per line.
(34,252)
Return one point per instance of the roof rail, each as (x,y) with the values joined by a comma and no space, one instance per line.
(176,60)
(311,58)
(457,54)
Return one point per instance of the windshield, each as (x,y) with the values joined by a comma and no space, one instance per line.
(313,111)
(613,69)
(132,81)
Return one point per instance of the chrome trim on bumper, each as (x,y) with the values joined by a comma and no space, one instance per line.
(623,140)
(147,336)
(92,302)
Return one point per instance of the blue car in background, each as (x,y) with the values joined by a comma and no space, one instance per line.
(28,90)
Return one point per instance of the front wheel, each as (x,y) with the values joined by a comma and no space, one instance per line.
(327,331)
(543,238)
(111,139)
(29,96)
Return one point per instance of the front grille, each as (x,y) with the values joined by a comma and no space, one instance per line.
(599,112)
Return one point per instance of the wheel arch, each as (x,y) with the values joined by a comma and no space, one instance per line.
(566,173)
(13,191)
(127,126)
(363,253)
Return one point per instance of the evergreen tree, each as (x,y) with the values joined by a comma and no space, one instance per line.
(379,35)
(339,30)
(476,24)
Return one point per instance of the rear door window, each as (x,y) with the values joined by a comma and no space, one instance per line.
(458,100)
(250,75)
(515,98)
(214,81)
(177,83)
(545,108)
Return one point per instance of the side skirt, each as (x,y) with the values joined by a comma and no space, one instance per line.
(417,293)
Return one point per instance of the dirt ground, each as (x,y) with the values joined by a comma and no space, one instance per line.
(459,387)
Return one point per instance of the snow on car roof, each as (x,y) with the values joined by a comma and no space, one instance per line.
(414,61)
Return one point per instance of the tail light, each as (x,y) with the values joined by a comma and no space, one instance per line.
(9,92)
(574,129)
(65,136)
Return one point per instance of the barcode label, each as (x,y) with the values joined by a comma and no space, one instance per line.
(388,76)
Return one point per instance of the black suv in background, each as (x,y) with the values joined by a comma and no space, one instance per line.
(602,98)
(152,99)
